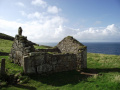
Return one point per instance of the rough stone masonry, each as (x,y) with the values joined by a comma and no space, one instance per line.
(69,54)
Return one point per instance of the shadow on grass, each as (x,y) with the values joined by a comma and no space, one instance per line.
(64,78)
(25,87)
(69,77)
(19,86)
(60,79)
(100,70)
(4,54)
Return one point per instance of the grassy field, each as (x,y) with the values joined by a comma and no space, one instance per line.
(107,68)
(5,45)
(103,73)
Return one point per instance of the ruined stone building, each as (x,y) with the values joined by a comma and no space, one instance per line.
(69,54)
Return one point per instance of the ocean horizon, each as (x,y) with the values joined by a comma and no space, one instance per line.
(112,48)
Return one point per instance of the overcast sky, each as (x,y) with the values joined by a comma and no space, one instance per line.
(52,20)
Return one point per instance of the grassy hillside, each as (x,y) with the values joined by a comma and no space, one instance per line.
(5,45)
(7,37)
(103,73)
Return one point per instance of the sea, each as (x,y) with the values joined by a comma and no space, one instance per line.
(112,48)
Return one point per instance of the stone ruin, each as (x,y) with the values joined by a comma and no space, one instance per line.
(69,54)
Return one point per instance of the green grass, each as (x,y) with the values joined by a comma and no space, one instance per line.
(5,45)
(107,68)
(103,61)
(11,68)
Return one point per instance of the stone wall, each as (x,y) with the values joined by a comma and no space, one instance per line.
(71,45)
(54,49)
(20,47)
(38,62)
